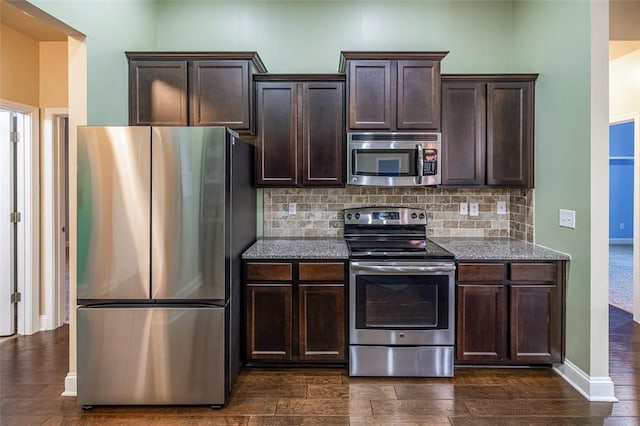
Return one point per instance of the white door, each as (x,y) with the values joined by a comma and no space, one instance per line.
(9,123)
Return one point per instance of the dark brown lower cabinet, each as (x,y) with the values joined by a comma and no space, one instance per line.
(510,313)
(295,312)
(482,324)
(535,323)
(269,321)
(321,311)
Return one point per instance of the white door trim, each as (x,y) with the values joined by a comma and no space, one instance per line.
(28,234)
(635,118)
(52,259)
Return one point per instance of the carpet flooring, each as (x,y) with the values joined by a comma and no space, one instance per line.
(621,276)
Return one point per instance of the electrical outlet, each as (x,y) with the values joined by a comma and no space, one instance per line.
(621,225)
(568,218)
(464,208)
(292,208)
(501,207)
(473,209)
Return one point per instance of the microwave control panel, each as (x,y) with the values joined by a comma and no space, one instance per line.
(430,162)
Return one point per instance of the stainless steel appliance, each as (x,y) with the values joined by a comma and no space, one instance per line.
(163,216)
(393,159)
(401,295)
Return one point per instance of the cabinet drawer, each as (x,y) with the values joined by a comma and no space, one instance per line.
(321,271)
(544,272)
(269,271)
(478,272)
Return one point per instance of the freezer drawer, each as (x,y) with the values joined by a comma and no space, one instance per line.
(151,355)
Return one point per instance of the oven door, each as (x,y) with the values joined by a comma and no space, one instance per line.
(401,303)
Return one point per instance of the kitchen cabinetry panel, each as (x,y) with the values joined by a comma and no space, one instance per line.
(269,271)
(156,93)
(393,91)
(479,272)
(463,133)
(535,324)
(515,320)
(510,134)
(277,138)
(269,321)
(300,135)
(193,88)
(298,321)
(221,94)
(323,134)
(487,130)
(418,94)
(370,95)
(322,325)
(485,305)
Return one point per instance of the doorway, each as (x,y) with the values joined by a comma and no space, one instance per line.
(55,228)
(623,222)
(11,125)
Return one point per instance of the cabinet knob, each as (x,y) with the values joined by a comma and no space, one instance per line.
(401,335)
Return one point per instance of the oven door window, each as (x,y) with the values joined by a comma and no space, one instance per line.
(384,162)
(406,302)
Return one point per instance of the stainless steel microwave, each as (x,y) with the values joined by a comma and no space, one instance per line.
(393,159)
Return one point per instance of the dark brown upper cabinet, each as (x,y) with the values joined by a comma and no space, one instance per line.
(300,130)
(193,88)
(487,130)
(397,91)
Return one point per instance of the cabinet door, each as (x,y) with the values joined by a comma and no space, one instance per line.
(535,323)
(276,150)
(510,134)
(370,95)
(321,322)
(481,323)
(220,94)
(158,93)
(464,115)
(323,134)
(269,321)
(418,93)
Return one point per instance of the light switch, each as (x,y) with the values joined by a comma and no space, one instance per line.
(292,208)
(568,218)
(464,209)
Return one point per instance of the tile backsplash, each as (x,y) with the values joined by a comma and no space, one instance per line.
(319,210)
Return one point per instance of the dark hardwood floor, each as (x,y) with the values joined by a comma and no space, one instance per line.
(33,368)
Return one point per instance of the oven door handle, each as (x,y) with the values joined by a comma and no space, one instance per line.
(402,269)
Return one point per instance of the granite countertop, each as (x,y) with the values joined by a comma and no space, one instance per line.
(462,248)
(298,248)
(497,249)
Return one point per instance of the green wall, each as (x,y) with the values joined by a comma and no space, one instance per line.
(308,36)
(111,27)
(482,36)
(561,54)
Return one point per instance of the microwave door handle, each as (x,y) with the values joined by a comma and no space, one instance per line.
(419,164)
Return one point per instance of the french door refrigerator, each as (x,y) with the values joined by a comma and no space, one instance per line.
(164,214)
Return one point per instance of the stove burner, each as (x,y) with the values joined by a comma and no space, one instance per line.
(390,232)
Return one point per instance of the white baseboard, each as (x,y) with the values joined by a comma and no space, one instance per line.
(593,388)
(43,323)
(70,384)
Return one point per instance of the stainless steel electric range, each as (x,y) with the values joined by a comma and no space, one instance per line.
(401,295)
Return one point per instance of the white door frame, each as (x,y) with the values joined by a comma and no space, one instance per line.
(53,237)
(28,234)
(635,118)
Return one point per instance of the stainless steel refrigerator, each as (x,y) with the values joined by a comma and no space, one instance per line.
(164,214)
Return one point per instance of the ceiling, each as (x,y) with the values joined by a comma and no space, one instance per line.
(27,19)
